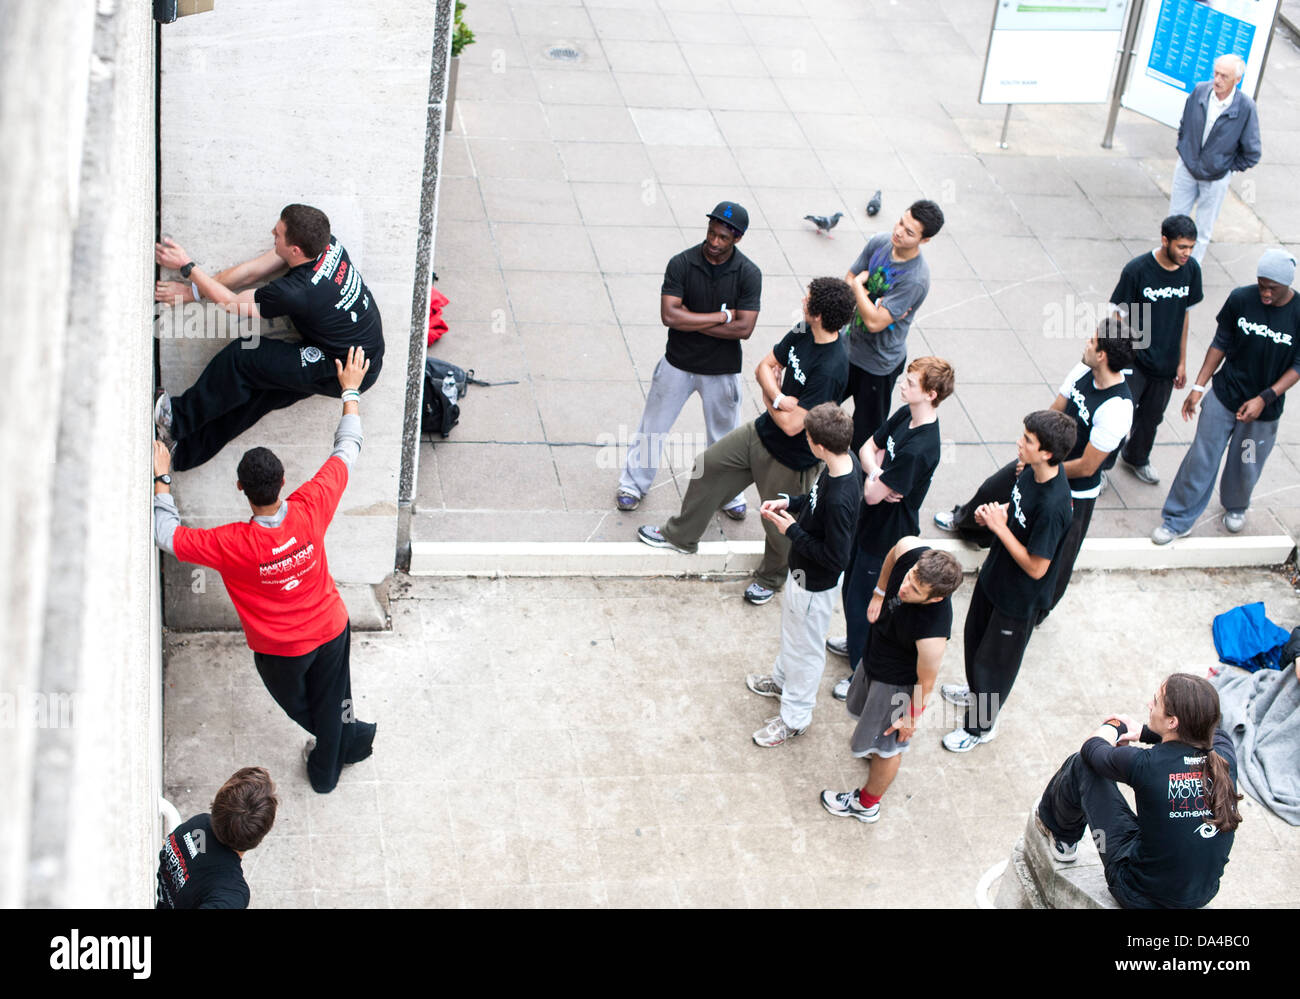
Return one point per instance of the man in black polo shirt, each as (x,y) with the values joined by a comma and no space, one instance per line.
(1154,292)
(322,294)
(808,367)
(709,302)
(1258,344)
(199,866)
(911,622)
(1015,582)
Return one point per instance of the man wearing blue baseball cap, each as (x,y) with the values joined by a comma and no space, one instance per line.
(709,301)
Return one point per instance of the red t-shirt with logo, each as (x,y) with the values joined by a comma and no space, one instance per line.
(277,577)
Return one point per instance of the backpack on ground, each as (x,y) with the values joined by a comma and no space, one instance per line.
(445,385)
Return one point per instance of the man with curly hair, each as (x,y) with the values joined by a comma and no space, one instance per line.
(808,367)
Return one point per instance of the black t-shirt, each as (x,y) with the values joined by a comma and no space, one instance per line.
(911,456)
(1179,857)
(329,304)
(823,529)
(196,871)
(1260,341)
(1083,404)
(1156,301)
(1039,516)
(814,373)
(705,287)
(891,653)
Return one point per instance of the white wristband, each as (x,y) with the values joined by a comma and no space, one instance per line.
(726,312)
(776,403)
(195,289)
(878,592)
(351,395)
(1199,388)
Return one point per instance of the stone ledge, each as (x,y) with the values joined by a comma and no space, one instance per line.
(1033,880)
(632,558)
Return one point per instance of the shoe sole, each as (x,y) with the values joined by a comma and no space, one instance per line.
(761,693)
(848,814)
(735,514)
(759,601)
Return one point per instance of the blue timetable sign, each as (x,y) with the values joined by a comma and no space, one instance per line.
(1189,36)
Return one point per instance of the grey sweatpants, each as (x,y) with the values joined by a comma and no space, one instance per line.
(1248,446)
(805,616)
(670,387)
(730,465)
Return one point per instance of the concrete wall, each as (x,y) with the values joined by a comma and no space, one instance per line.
(78,595)
(238,142)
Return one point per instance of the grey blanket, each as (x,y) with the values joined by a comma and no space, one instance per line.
(1261,713)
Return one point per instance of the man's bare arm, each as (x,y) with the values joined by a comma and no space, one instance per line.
(876,317)
(676,316)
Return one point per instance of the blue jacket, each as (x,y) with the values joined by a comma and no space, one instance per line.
(1244,637)
(1234,140)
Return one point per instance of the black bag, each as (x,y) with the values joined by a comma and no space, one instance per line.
(444,386)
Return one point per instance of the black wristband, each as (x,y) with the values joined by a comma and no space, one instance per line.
(186,268)
(1119,726)
(1269,396)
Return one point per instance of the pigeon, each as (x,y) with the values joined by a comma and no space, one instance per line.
(873,205)
(825,224)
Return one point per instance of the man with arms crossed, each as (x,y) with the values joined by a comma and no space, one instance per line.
(808,367)
(1153,293)
(911,622)
(322,294)
(709,302)
(275,570)
(890,279)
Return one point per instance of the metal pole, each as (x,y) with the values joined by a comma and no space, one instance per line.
(1268,47)
(1121,78)
(1006,121)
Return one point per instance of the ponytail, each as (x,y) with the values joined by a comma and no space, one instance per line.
(1223,797)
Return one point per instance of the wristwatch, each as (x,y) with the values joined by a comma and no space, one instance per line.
(165,479)
(185,271)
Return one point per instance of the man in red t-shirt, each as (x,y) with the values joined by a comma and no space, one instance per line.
(275,570)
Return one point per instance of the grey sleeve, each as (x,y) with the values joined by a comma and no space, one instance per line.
(165,521)
(347,438)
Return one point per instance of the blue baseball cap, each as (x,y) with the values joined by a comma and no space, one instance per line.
(731,214)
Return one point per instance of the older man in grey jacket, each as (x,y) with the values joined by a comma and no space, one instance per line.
(1219,133)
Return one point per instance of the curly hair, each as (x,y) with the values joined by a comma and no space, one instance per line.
(831,300)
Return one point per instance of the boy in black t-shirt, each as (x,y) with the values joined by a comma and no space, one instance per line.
(1015,582)
(899,462)
(1258,345)
(1153,293)
(199,866)
(322,294)
(911,622)
(819,549)
(808,367)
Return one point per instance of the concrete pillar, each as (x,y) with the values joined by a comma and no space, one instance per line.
(80,680)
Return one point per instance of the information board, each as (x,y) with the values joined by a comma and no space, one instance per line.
(1178,41)
(1052,53)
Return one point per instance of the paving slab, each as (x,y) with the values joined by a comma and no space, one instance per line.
(622,721)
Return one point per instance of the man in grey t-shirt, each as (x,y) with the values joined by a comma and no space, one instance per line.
(890,280)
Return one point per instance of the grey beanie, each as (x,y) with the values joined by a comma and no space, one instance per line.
(1277,265)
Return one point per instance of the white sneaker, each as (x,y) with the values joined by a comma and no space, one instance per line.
(1163,535)
(775,732)
(841,691)
(961,741)
(846,803)
(946,520)
(1234,521)
(840,646)
(763,685)
(956,693)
